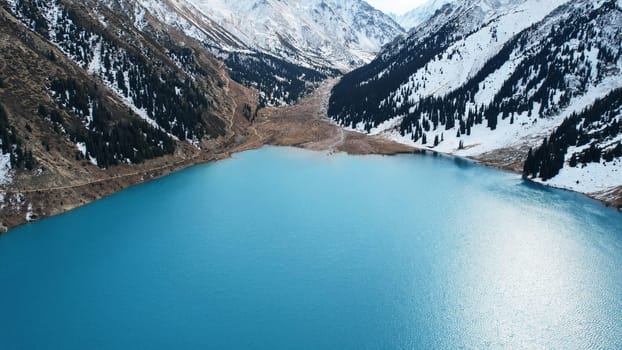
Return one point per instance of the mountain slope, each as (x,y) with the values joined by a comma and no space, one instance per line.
(85,96)
(481,76)
(450,48)
(278,81)
(420,14)
(160,81)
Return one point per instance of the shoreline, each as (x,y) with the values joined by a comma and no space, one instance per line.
(615,202)
(175,168)
(303,126)
(507,159)
(207,159)
(615,194)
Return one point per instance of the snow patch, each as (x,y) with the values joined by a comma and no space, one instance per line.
(29,213)
(589,178)
(5,169)
(81,146)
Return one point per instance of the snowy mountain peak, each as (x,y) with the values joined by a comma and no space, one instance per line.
(340,34)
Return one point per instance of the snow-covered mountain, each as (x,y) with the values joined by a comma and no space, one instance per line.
(335,33)
(420,14)
(281,48)
(485,75)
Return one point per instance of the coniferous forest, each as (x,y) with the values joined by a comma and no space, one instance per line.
(591,133)
(278,81)
(143,78)
(166,95)
(108,142)
(20,156)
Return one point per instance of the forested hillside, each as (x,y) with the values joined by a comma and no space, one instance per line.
(86,95)
(471,84)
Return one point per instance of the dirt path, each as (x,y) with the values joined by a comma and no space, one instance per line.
(341,138)
(116,177)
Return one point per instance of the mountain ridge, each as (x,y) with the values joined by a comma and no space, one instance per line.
(341,34)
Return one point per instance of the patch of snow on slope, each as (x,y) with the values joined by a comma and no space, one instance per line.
(95,66)
(139,18)
(81,146)
(591,178)
(5,169)
(29,213)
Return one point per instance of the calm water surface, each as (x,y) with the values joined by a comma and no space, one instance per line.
(288,249)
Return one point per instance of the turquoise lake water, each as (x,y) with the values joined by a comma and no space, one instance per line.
(288,249)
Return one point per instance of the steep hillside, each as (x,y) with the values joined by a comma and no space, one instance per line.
(159,80)
(84,96)
(449,49)
(484,76)
(585,152)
